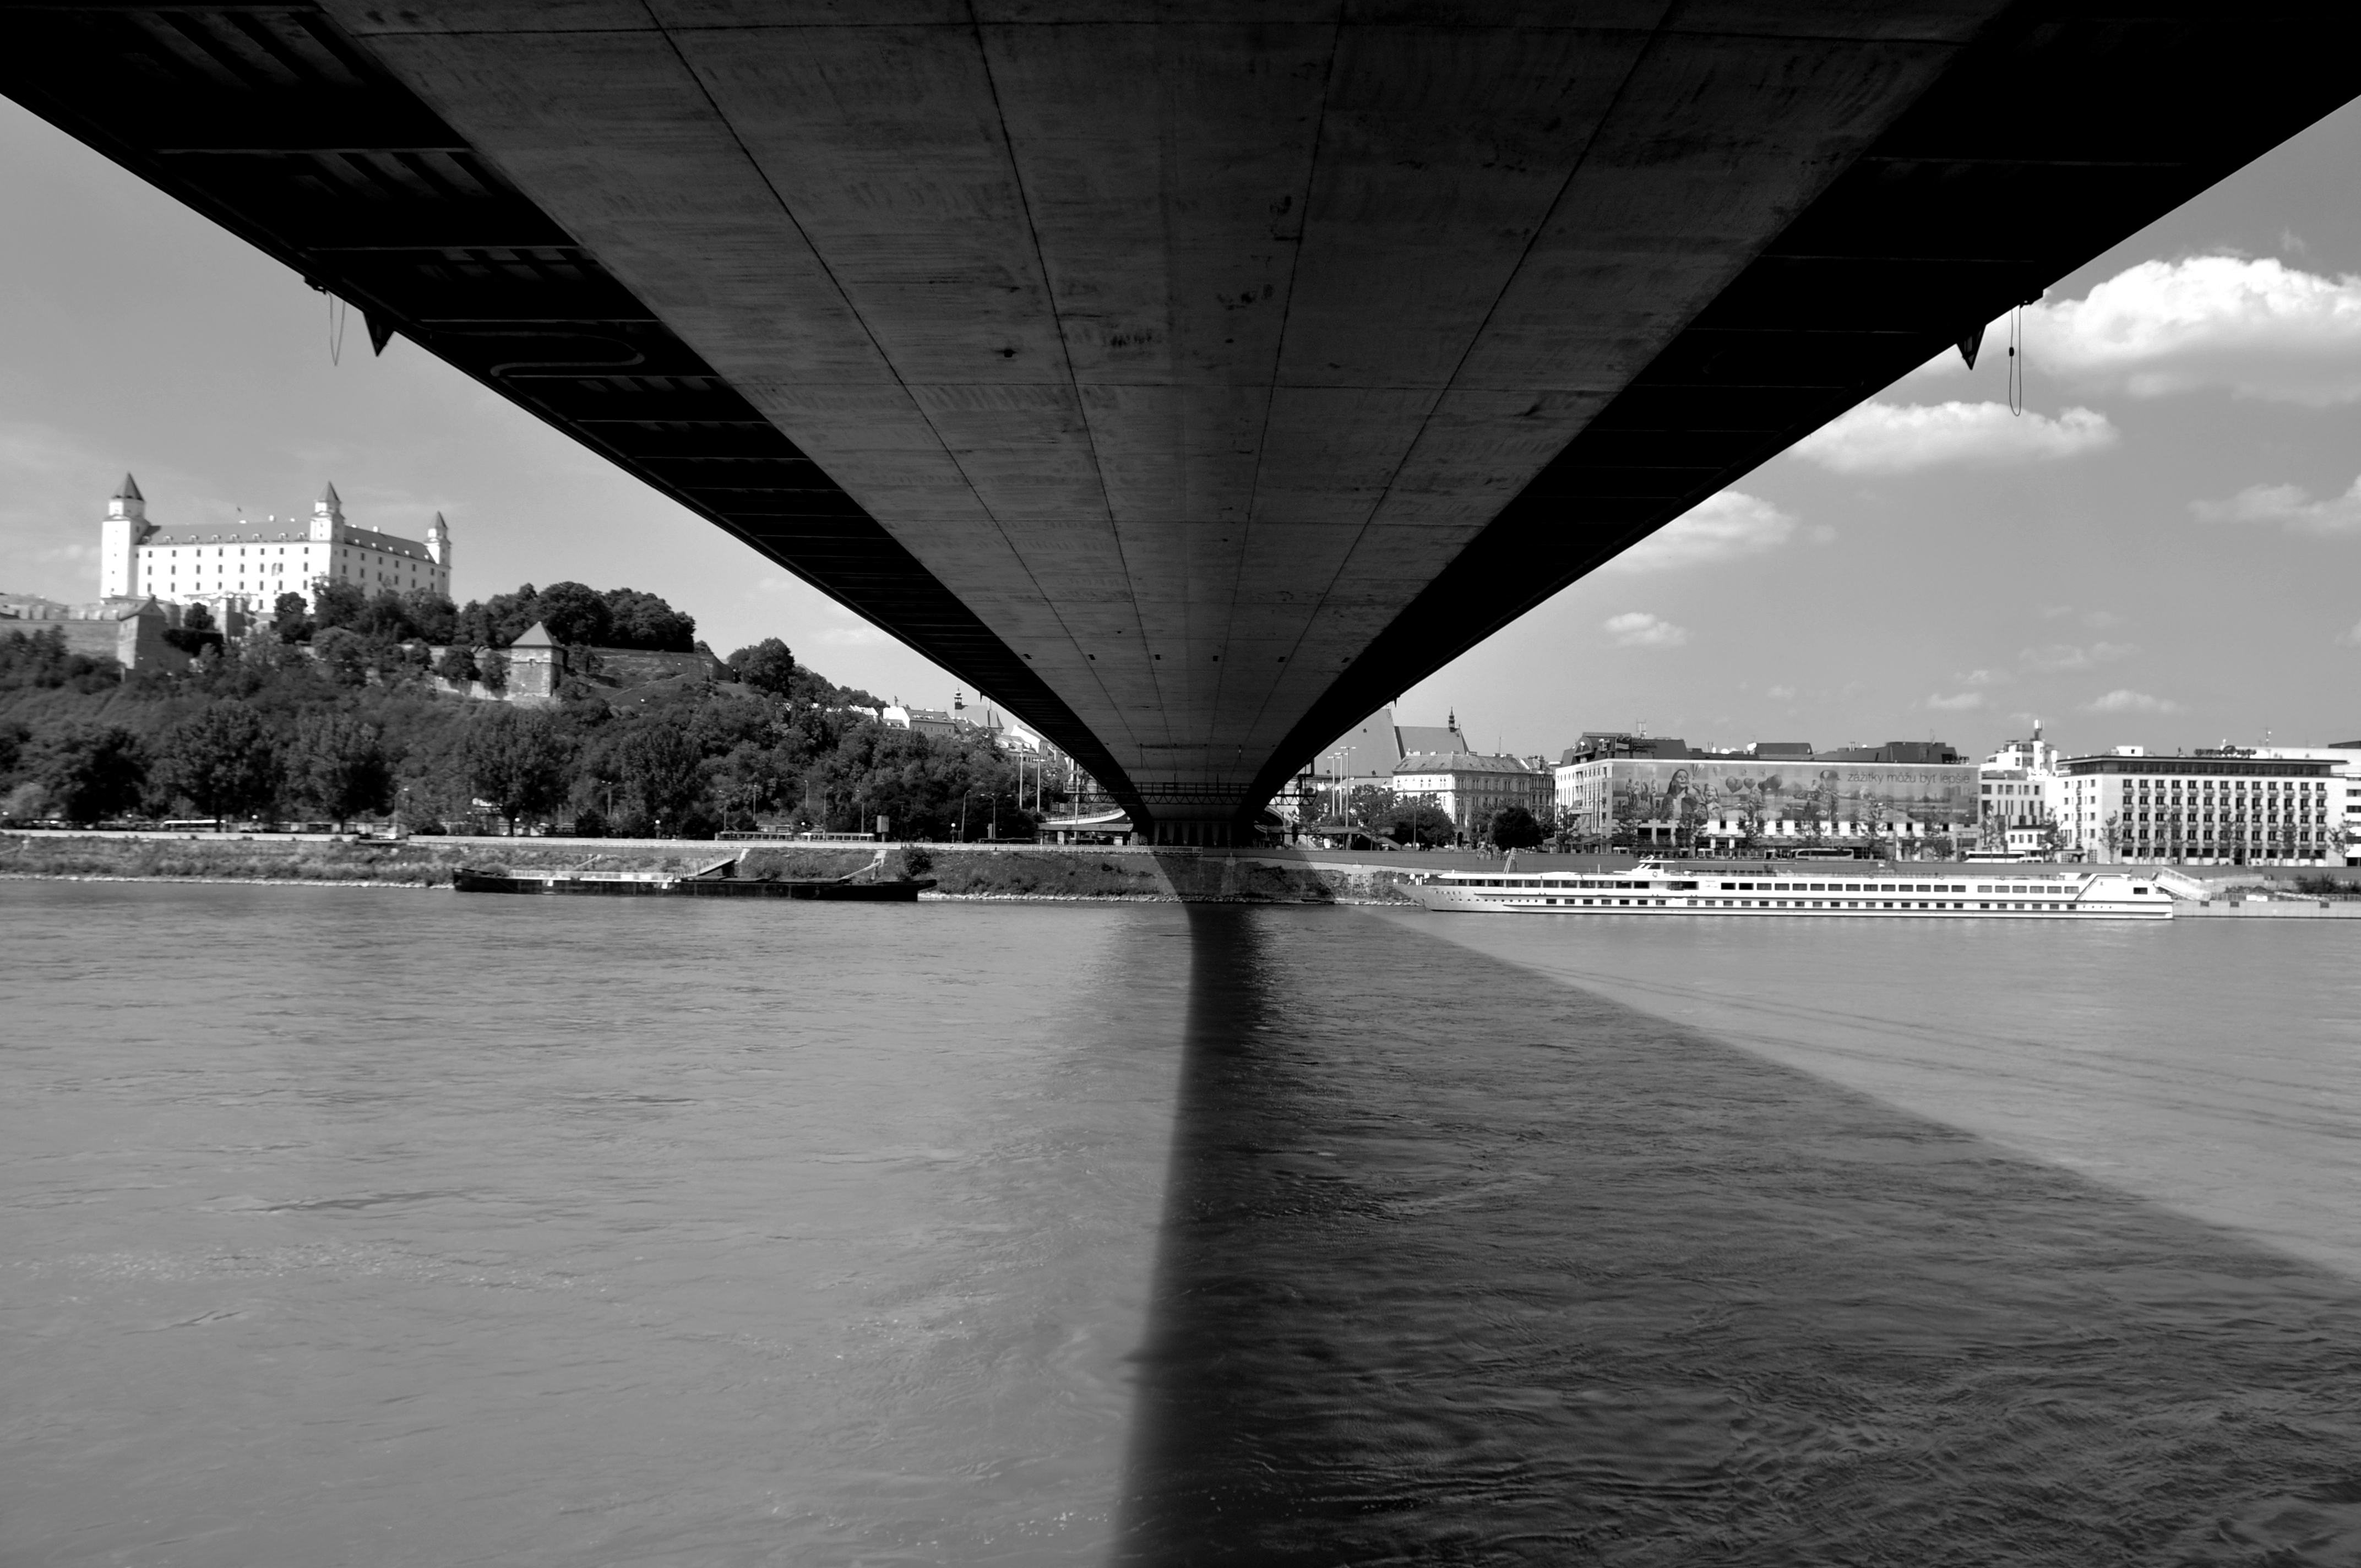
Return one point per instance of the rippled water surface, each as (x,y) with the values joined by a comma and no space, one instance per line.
(385,1227)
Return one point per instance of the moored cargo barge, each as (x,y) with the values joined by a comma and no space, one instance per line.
(719,879)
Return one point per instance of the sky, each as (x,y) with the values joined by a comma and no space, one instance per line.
(2163,548)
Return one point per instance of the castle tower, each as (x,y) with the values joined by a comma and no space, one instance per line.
(119,538)
(327,515)
(438,543)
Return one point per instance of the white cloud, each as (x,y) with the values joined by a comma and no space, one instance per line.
(1959,702)
(1721,528)
(2351,637)
(2255,325)
(1781,694)
(1983,678)
(2061,657)
(1637,629)
(1900,438)
(2289,504)
(2123,699)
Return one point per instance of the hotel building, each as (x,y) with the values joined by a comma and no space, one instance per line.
(2231,805)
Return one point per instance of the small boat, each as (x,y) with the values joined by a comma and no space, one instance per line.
(719,879)
(1805,890)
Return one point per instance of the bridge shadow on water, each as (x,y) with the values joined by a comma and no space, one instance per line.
(1460,1265)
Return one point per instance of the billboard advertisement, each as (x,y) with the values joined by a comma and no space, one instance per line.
(1804,795)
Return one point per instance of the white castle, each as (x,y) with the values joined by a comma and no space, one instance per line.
(247,568)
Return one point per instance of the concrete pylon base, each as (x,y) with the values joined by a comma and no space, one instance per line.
(1203,833)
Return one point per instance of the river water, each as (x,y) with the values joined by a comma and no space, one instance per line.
(374,1226)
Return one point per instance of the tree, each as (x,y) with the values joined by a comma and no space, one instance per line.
(221,760)
(433,617)
(575,614)
(492,669)
(1628,811)
(27,802)
(660,770)
(1419,822)
(290,618)
(1369,806)
(767,666)
(1748,800)
(91,771)
(1684,824)
(496,623)
(338,602)
(642,620)
(338,763)
(384,619)
(42,659)
(195,634)
(343,654)
(2053,837)
(1514,827)
(458,665)
(517,760)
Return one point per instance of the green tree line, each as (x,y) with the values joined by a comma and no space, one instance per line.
(266,730)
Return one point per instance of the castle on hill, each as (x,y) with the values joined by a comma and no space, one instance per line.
(239,573)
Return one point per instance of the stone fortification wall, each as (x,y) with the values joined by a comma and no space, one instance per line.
(134,641)
(634,666)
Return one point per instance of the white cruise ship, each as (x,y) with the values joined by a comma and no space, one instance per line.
(1806,889)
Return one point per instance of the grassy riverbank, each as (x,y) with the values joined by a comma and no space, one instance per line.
(961,871)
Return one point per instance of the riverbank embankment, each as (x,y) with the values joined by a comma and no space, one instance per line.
(961,871)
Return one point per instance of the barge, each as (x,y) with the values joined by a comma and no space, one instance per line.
(1805,890)
(719,879)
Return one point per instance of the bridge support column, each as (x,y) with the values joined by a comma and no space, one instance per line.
(1193,821)
(1201,833)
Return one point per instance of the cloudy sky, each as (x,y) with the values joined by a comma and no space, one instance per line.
(2164,546)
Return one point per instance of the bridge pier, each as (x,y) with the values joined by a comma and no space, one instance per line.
(1203,833)
(1219,814)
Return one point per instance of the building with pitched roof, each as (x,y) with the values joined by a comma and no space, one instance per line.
(1469,786)
(241,571)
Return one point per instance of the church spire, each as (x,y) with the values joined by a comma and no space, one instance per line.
(129,490)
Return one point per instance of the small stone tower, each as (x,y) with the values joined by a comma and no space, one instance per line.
(438,543)
(119,538)
(327,515)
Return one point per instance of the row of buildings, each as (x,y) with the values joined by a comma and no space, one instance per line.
(2228,805)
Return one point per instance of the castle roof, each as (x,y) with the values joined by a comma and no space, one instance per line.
(288,531)
(535,636)
(129,489)
(328,496)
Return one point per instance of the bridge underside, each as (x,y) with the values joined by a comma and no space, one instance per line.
(1189,384)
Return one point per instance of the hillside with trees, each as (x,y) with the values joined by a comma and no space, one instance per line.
(331,716)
